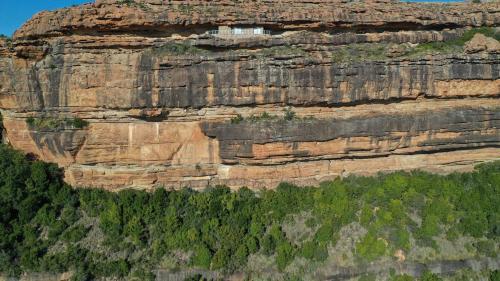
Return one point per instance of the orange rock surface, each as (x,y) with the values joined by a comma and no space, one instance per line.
(336,88)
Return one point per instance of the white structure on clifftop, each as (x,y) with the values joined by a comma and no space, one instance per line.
(236,31)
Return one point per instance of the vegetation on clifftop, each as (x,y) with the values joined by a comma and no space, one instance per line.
(451,46)
(383,51)
(46,226)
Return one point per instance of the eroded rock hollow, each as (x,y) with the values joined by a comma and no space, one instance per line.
(197,93)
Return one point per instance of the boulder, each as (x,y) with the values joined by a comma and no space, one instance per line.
(482,43)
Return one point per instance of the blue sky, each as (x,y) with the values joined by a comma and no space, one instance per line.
(13,13)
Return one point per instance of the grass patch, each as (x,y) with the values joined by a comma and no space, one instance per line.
(179,49)
(360,52)
(277,51)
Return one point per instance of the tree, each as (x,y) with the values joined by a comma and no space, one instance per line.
(429,276)
(202,256)
(284,254)
(220,259)
(371,247)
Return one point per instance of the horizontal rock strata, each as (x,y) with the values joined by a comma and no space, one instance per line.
(141,96)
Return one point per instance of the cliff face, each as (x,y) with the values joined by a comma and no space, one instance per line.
(138,94)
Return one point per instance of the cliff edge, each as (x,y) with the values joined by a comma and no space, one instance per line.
(197,93)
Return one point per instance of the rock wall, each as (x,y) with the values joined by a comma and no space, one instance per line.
(337,88)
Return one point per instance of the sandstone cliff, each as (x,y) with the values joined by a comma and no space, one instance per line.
(140,94)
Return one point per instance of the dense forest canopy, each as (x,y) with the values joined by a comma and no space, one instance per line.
(46,226)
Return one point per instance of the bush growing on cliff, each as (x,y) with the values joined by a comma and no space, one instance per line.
(236,120)
(280,51)
(77,123)
(47,226)
(178,49)
(454,45)
(359,52)
(55,123)
(288,115)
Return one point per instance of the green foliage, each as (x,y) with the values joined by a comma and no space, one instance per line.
(429,276)
(77,123)
(430,227)
(32,198)
(240,256)
(264,116)
(218,229)
(324,234)
(284,254)
(237,119)
(371,247)
(267,244)
(289,114)
(220,259)
(487,247)
(314,251)
(359,52)
(402,240)
(276,51)
(75,233)
(202,257)
(55,123)
(403,277)
(251,244)
(178,49)
(451,46)
(367,277)
(111,221)
(487,31)
(495,275)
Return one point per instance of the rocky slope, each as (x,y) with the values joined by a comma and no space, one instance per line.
(138,94)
